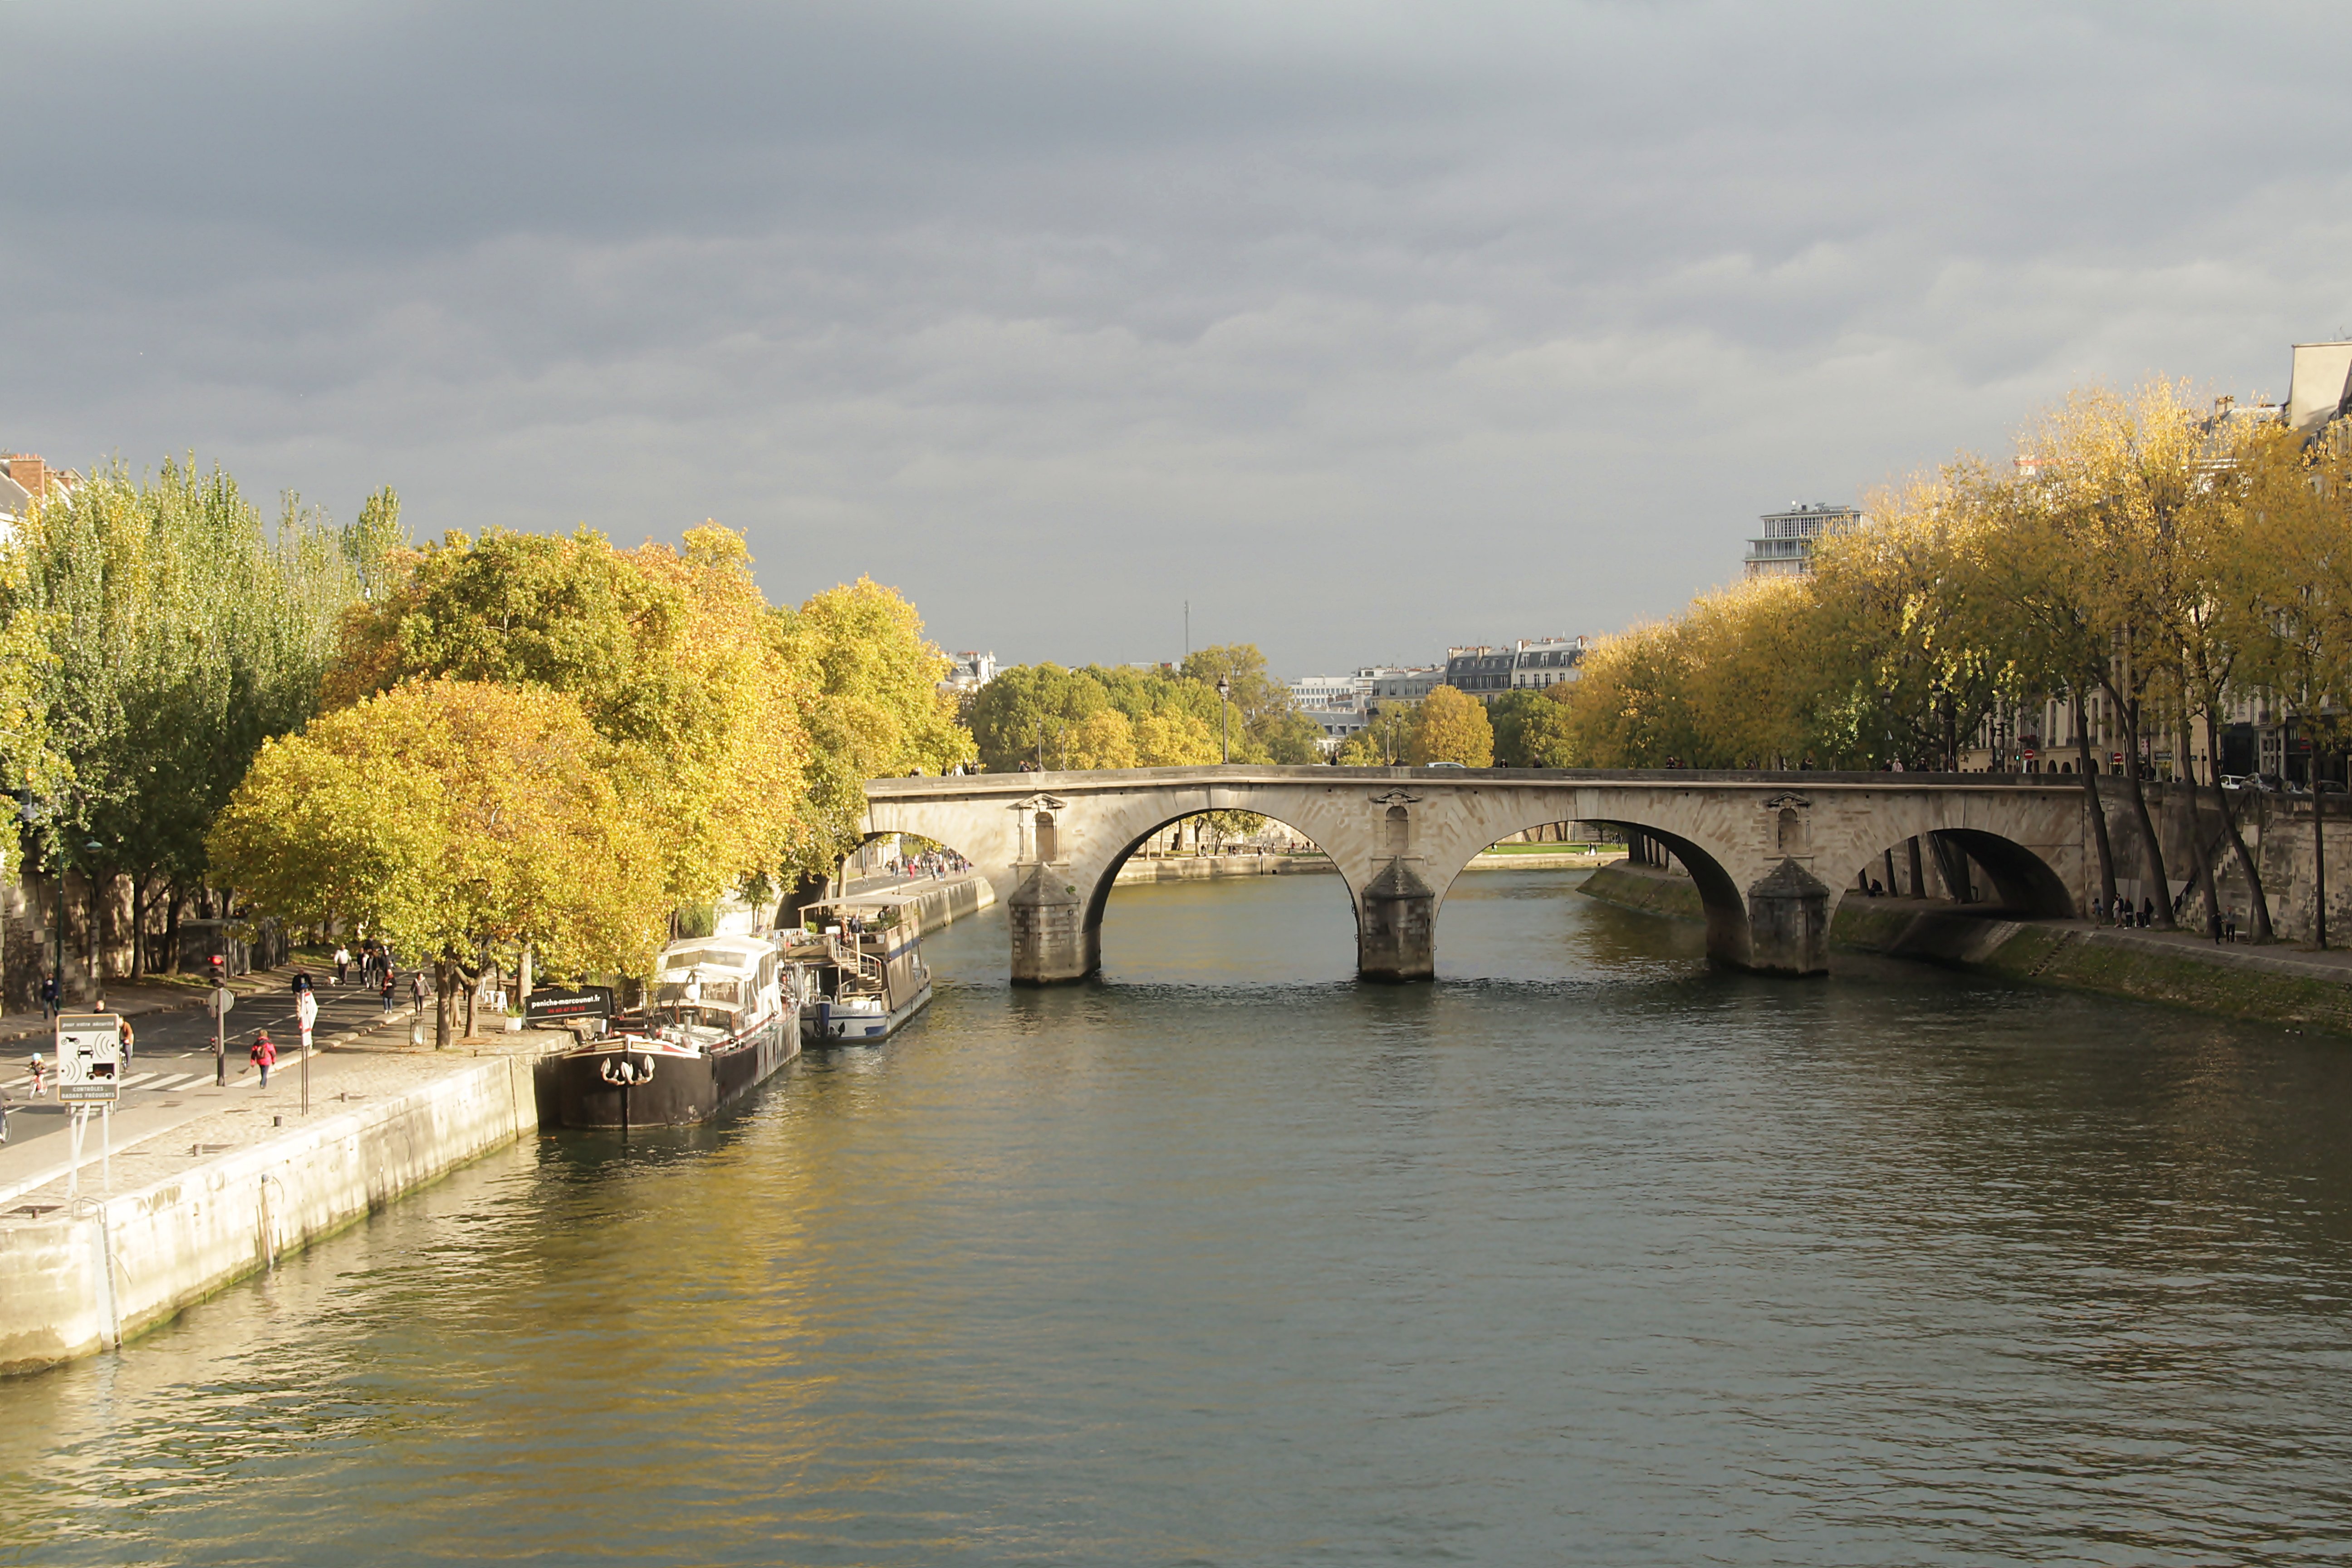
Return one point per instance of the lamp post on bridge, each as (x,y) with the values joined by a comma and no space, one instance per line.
(1225,720)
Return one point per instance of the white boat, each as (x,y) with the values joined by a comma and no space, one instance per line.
(868,978)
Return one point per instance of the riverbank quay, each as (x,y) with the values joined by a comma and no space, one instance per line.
(2275,985)
(935,901)
(1210,867)
(212,1185)
(1531,858)
(1207,867)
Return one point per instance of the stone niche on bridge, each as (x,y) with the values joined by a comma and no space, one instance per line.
(1048,908)
(1396,911)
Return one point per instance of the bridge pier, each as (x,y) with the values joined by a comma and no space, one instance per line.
(1396,926)
(1789,922)
(1051,940)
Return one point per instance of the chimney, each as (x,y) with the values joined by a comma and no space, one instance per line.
(30,472)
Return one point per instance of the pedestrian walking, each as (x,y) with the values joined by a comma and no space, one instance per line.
(264,1055)
(49,997)
(342,964)
(122,1028)
(416,992)
(387,991)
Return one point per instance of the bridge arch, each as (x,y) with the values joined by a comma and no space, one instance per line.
(1769,854)
(1106,880)
(2023,883)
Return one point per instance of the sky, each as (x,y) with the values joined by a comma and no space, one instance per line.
(1366,329)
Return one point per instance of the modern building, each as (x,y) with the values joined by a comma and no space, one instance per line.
(1342,691)
(1785,546)
(1529,664)
(2319,387)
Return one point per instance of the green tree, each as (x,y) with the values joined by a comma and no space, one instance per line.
(180,634)
(1384,740)
(867,682)
(1265,727)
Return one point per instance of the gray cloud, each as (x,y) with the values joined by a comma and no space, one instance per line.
(1365,328)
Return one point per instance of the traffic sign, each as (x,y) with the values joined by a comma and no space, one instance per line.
(98,1094)
(89,1048)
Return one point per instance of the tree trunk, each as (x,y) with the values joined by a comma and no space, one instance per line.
(2162,897)
(172,929)
(2318,858)
(2259,915)
(444,1000)
(2090,766)
(138,924)
(2203,861)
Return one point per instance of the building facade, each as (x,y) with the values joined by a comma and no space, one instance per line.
(1529,664)
(968,672)
(1783,547)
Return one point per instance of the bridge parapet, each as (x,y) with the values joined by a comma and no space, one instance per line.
(1770,853)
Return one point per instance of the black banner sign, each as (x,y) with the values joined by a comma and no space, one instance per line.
(556,1005)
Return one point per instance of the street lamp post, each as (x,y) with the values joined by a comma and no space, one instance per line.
(1225,720)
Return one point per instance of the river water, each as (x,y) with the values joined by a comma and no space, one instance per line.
(1584,1253)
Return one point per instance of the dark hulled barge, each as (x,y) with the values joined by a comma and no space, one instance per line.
(723,1014)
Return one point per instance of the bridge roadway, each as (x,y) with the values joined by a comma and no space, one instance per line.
(1770,853)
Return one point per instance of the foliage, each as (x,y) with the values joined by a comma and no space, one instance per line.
(866,681)
(446,817)
(1450,727)
(1531,728)
(1266,728)
(157,633)
(672,659)
(1383,742)
(1100,717)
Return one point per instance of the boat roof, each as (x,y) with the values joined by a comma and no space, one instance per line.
(741,953)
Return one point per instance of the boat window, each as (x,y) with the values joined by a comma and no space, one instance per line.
(722,992)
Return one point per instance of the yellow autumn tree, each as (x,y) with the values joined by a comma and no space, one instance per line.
(1174,740)
(450,817)
(668,655)
(1451,726)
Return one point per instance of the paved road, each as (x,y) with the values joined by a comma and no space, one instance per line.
(174,1053)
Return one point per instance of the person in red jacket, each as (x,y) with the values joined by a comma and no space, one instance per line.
(264,1055)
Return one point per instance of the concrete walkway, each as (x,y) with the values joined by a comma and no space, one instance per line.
(166,1094)
(174,1042)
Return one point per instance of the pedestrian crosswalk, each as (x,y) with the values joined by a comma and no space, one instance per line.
(170,1081)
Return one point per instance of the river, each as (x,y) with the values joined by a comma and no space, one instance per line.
(1585,1253)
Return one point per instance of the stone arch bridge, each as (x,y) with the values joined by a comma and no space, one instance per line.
(1771,854)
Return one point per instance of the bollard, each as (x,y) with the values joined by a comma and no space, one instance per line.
(417,1033)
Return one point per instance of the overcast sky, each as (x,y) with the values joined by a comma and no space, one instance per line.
(1365,328)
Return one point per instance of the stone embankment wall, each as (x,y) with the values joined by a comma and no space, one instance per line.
(2263,984)
(83,1281)
(948,902)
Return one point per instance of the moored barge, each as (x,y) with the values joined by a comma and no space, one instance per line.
(722,1015)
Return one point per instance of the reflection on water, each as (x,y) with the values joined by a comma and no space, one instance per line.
(1587,1253)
